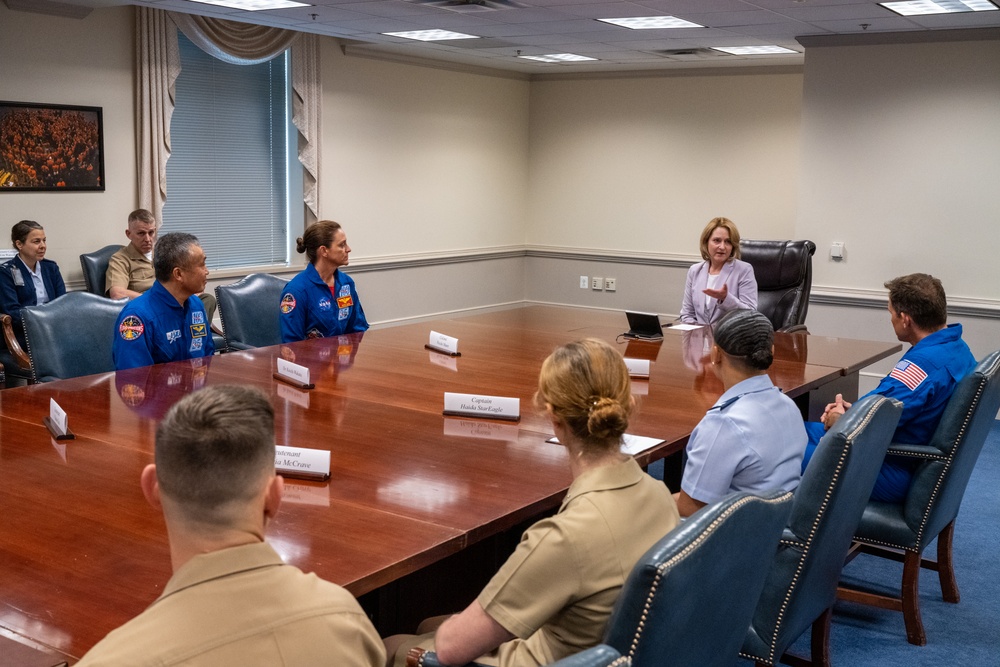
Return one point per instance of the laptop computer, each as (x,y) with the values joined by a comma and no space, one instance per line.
(643,326)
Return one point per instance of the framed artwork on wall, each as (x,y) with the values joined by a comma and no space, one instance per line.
(51,148)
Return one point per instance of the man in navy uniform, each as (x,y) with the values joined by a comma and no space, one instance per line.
(922,381)
(168,322)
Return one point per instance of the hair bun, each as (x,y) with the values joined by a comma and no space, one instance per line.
(606,418)
(300,245)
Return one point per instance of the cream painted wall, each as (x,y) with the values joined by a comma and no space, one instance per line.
(901,154)
(641,164)
(86,62)
(420,160)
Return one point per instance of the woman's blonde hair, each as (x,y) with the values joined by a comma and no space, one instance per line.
(586,385)
(734,235)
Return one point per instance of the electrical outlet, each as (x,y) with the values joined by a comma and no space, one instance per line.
(584,282)
(597,283)
(609,284)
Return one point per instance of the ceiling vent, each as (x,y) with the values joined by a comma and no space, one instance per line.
(470,6)
(690,54)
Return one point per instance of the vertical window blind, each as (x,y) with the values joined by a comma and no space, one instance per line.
(227,172)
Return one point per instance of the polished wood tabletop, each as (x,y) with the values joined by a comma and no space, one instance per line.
(81,552)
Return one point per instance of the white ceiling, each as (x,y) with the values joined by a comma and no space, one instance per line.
(536,27)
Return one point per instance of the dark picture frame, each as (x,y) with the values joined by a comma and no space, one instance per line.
(51,148)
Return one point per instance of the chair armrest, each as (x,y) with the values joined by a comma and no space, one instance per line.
(418,657)
(790,539)
(916,451)
(12,344)
(217,330)
(794,328)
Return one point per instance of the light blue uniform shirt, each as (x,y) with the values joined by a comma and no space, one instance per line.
(752,439)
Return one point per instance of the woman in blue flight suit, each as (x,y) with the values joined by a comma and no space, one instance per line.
(29,279)
(321,301)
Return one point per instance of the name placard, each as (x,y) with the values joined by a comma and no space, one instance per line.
(56,422)
(637,368)
(478,405)
(293,374)
(302,463)
(444,344)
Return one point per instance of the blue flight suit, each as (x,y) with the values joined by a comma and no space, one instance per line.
(17,289)
(153,328)
(922,381)
(309,309)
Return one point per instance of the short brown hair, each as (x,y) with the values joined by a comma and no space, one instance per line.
(586,383)
(141,215)
(214,451)
(921,296)
(715,223)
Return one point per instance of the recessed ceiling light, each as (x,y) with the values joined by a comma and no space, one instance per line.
(254,5)
(926,7)
(431,35)
(753,50)
(558,58)
(652,22)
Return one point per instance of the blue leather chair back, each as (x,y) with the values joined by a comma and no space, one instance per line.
(939,484)
(95,268)
(828,505)
(249,311)
(71,336)
(689,599)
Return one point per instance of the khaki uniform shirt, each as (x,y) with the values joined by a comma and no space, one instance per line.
(244,606)
(130,269)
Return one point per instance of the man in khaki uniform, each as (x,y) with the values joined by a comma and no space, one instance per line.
(130,270)
(231,600)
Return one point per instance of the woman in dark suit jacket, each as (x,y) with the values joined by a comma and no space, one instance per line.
(722,282)
(18,277)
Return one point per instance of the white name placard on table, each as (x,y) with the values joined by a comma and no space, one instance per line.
(57,423)
(478,405)
(444,344)
(302,463)
(293,374)
(637,368)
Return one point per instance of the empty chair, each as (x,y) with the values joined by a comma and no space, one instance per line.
(901,531)
(598,656)
(249,311)
(783,270)
(801,586)
(71,336)
(95,268)
(689,599)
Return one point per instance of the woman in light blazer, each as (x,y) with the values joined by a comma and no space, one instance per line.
(722,282)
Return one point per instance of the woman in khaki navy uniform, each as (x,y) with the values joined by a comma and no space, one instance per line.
(554,595)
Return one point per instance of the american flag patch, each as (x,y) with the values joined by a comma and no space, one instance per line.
(909,374)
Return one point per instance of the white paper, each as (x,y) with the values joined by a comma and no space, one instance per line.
(478,405)
(444,343)
(58,417)
(685,327)
(637,367)
(631,444)
(293,371)
(300,460)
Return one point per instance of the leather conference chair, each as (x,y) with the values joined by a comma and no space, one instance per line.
(71,336)
(901,531)
(783,270)
(95,268)
(249,311)
(598,656)
(801,586)
(689,599)
(13,358)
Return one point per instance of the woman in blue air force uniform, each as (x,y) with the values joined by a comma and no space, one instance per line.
(321,301)
(29,279)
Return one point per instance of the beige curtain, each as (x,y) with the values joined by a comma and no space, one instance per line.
(158,65)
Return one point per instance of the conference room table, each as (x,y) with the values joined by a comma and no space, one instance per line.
(410,489)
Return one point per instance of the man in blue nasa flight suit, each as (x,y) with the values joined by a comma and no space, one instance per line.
(168,322)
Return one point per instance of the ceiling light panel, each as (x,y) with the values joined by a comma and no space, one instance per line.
(929,7)
(754,50)
(431,35)
(651,22)
(558,58)
(254,5)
